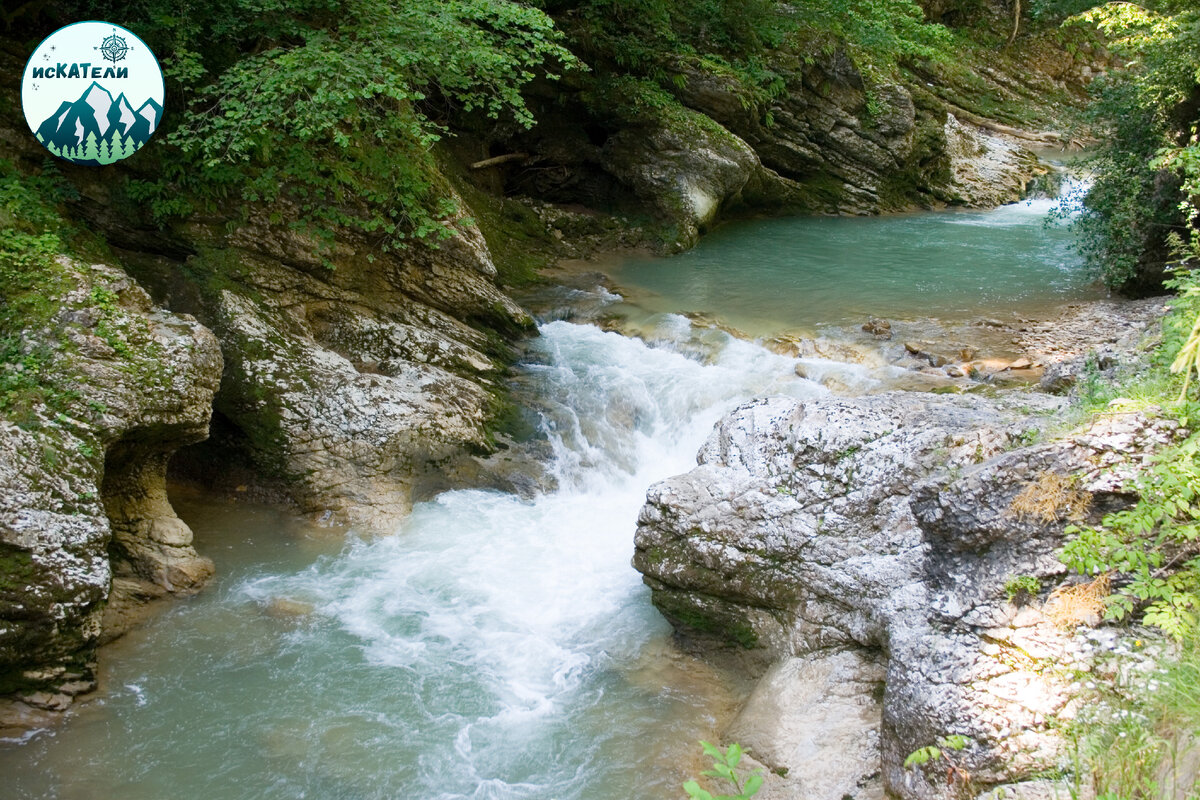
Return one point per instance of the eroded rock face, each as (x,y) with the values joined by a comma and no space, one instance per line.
(882,531)
(83,502)
(687,168)
(986,168)
(823,145)
(349,383)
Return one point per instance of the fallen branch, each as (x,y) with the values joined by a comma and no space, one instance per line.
(497,160)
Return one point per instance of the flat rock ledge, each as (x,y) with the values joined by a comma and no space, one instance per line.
(858,550)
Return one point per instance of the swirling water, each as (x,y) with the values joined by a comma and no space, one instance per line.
(497,646)
(494,647)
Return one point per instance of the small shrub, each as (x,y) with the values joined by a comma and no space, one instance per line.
(944,751)
(724,768)
(1154,547)
(1021,587)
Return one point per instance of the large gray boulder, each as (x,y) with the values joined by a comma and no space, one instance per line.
(877,534)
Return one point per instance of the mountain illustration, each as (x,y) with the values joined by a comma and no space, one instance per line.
(98,128)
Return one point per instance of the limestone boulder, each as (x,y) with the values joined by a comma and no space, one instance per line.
(85,522)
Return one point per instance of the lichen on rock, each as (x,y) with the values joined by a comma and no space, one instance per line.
(84,520)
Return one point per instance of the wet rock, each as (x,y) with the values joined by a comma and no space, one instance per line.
(84,518)
(47,701)
(820,347)
(879,327)
(921,381)
(939,354)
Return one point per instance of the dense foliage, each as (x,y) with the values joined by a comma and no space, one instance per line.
(324,113)
(332,105)
(646,36)
(1140,215)
(1154,546)
(1152,550)
(1139,704)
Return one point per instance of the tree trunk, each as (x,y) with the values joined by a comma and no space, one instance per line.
(1016,21)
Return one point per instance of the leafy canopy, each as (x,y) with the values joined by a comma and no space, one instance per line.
(333,105)
(1141,213)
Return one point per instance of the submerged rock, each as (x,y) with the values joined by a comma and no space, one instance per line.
(877,326)
(882,530)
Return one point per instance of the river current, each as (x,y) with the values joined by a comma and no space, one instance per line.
(499,646)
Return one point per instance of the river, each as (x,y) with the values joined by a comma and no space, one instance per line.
(500,646)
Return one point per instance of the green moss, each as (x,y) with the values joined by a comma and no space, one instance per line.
(16,571)
(517,239)
(685,610)
(507,418)
(32,283)
(928,167)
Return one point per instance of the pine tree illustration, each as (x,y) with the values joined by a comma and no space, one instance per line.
(91,151)
(105,155)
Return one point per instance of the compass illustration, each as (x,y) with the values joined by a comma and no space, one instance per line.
(114,48)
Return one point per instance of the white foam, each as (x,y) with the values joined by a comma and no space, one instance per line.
(533,599)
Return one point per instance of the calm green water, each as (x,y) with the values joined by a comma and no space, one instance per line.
(765,276)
